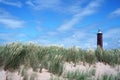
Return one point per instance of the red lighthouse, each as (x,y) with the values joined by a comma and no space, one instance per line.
(99,39)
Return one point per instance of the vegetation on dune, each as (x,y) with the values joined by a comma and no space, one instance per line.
(78,75)
(2,60)
(18,53)
(53,58)
(108,56)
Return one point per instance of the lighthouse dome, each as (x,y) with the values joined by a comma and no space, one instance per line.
(99,31)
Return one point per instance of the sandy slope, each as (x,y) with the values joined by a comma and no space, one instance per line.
(100,68)
(2,74)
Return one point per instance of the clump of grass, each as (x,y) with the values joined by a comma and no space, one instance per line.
(110,57)
(109,77)
(56,66)
(2,60)
(77,75)
(89,57)
(12,55)
(72,55)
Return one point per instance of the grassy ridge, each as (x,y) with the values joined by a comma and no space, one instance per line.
(52,58)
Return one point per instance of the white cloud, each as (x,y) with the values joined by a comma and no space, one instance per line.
(43,4)
(74,7)
(11,3)
(12,37)
(60,6)
(10,21)
(115,13)
(88,10)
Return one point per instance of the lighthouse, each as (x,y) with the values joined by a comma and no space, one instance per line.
(99,39)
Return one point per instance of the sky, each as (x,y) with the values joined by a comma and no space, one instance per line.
(60,22)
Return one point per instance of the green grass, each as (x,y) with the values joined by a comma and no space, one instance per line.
(52,58)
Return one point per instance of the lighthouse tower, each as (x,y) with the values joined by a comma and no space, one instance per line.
(99,39)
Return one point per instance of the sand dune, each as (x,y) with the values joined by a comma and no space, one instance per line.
(29,74)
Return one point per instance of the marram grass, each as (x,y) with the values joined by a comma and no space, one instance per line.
(18,53)
(53,58)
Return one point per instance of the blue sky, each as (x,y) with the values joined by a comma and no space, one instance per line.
(60,22)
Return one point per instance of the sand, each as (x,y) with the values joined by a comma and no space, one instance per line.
(100,69)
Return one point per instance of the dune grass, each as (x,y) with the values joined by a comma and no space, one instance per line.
(52,58)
